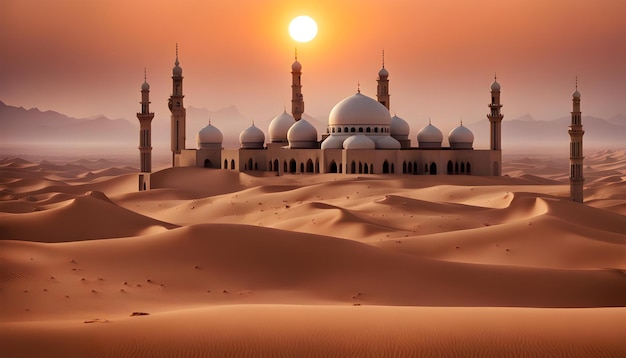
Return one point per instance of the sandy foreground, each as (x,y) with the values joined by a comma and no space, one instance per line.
(247,264)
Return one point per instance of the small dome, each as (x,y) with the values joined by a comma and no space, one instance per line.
(495,86)
(177,70)
(279,126)
(145,86)
(383,72)
(209,137)
(387,142)
(576,94)
(296,66)
(399,128)
(429,137)
(302,135)
(359,109)
(461,138)
(333,142)
(359,141)
(252,138)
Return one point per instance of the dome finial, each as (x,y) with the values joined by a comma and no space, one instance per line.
(461,120)
(296,53)
(577,82)
(429,121)
(176,63)
(145,76)
(358,86)
(383,58)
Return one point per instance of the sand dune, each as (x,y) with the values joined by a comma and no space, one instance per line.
(231,264)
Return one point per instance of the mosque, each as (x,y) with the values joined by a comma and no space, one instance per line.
(361,138)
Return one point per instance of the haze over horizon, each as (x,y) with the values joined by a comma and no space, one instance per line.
(85,59)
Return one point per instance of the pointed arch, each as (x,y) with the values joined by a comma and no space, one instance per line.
(353,167)
(462,168)
(333,167)
(385,167)
(309,166)
(225,163)
(450,167)
(292,166)
(276,165)
(433,169)
(232,164)
(366,169)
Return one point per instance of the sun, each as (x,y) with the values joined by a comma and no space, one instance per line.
(303,29)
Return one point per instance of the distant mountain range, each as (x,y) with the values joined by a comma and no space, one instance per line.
(526,131)
(32,126)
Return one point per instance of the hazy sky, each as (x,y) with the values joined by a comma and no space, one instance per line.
(87,57)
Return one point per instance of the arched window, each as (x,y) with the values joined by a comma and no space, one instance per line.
(309,166)
(345,129)
(353,167)
(339,130)
(207,163)
(360,168)
(468,168)
(276,165)
(225,163)
(450,167)
(232,164)
(292,166)
(352,130)
(333,129)
(462,167)
(375,129)
(385,167)
(301,167)
(333,167)
(433,169)
(360,129)
(366,169)
(368,129)
(456,168)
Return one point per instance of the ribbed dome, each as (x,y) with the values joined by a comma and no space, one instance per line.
(359,109)
(359,141)
(279,126)
(302,135)
(495,86)
(383,72)
(333,142)
(252,138)
(461,138)
(387,142)
(145,86)
(209,137)
(399,128)
(296,66)
(429,137)
(576,94)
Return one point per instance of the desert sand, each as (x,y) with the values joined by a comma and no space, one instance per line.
(220,263)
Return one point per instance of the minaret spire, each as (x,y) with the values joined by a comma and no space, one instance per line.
(495,117)
(382,90)
(145,135)
(297,100)
(576,132)
(178,117)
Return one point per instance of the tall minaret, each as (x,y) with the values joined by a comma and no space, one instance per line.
(495,118)
(297,101)
(175,104)
(576,132)
(145,131)
(382,93)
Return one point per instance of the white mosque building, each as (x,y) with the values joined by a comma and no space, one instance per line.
(361,138)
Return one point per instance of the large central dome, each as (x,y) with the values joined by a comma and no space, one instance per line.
(359,110)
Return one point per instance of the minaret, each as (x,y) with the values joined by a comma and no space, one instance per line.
(297,101)
(382,93)
(576,132)
(495,118)
(145,134)
(177,108)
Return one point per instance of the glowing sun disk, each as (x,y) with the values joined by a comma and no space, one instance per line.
(303,29)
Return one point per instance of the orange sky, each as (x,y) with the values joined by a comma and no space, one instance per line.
(87,57)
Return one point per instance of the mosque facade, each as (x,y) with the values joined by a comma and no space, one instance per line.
(361,138)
